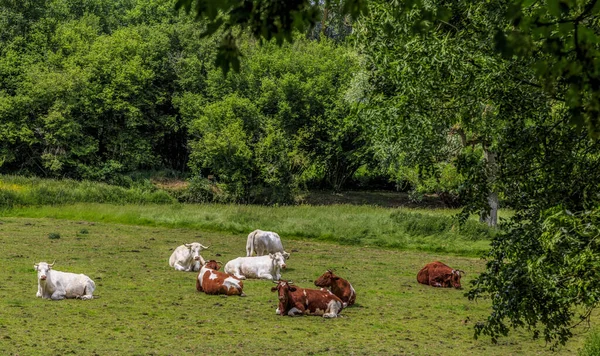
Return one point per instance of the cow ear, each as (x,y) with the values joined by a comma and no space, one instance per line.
(293,289)
(35,266)
(274,289)
(335,278)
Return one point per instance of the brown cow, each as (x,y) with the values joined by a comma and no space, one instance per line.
(295,301)
(211,281)
(437,274)
(339,286)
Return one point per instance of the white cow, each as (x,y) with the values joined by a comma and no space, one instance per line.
(263,267)
(187,257)
(58,285)
(264,242)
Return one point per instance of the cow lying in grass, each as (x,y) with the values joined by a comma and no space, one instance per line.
(211,281)
(263,267)
(437,274)
(187,257)
(339,286)
(294,301)
(58,285)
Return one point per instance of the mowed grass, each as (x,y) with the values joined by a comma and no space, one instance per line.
(400,228)
(144,307)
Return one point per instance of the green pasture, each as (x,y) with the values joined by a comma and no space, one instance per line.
(144,307)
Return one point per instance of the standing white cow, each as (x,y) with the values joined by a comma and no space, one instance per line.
(187,257)
(58,285)
(263,267)
(264,242)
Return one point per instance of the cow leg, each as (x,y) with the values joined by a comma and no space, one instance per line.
(266,276)
(333,309)
(196,266)
(89,290)
(58,295)
(295,312)
(180,267)
(39,292)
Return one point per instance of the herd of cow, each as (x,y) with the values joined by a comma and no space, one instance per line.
(267,264)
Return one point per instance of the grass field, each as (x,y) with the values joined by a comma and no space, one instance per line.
(146,308)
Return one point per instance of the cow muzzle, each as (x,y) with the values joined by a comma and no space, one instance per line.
(197,258)
(43,278)
(283,266)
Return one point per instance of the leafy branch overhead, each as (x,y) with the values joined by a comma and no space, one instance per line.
(562,34)
(265,20)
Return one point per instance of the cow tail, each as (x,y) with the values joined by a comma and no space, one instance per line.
(251,241)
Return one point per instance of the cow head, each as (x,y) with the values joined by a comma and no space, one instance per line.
(278,260)
(453,279)
(283,288)
(212,264)
(42,269)
(195,249)
(327,279)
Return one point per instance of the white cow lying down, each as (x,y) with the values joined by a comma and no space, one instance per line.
(187,257)
(263,267)
(264,242)
(58,285)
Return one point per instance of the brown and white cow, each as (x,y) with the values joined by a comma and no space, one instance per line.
(294,301)
(339,286)
(437,274)
(211,281)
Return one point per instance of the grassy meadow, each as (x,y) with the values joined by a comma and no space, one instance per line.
(144,307)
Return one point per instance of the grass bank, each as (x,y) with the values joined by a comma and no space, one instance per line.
(16,191)
(147,308)
(404,229)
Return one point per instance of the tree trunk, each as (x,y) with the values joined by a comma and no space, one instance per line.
(491,218)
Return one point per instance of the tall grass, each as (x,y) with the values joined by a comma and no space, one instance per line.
(22,191)
(434,231)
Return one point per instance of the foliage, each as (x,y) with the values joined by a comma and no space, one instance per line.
(446,96)
(547,274)
(278,123)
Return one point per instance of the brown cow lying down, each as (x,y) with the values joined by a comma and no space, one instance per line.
(339,286)
(437,274)
(211,281)
(295,301)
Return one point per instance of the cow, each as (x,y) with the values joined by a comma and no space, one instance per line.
(296,301)
(187,257)
(339,287)
(263,267)
(437,274)
(58,285)
(211,281)
(264,242)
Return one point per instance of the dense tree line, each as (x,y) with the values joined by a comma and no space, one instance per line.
(95,91)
